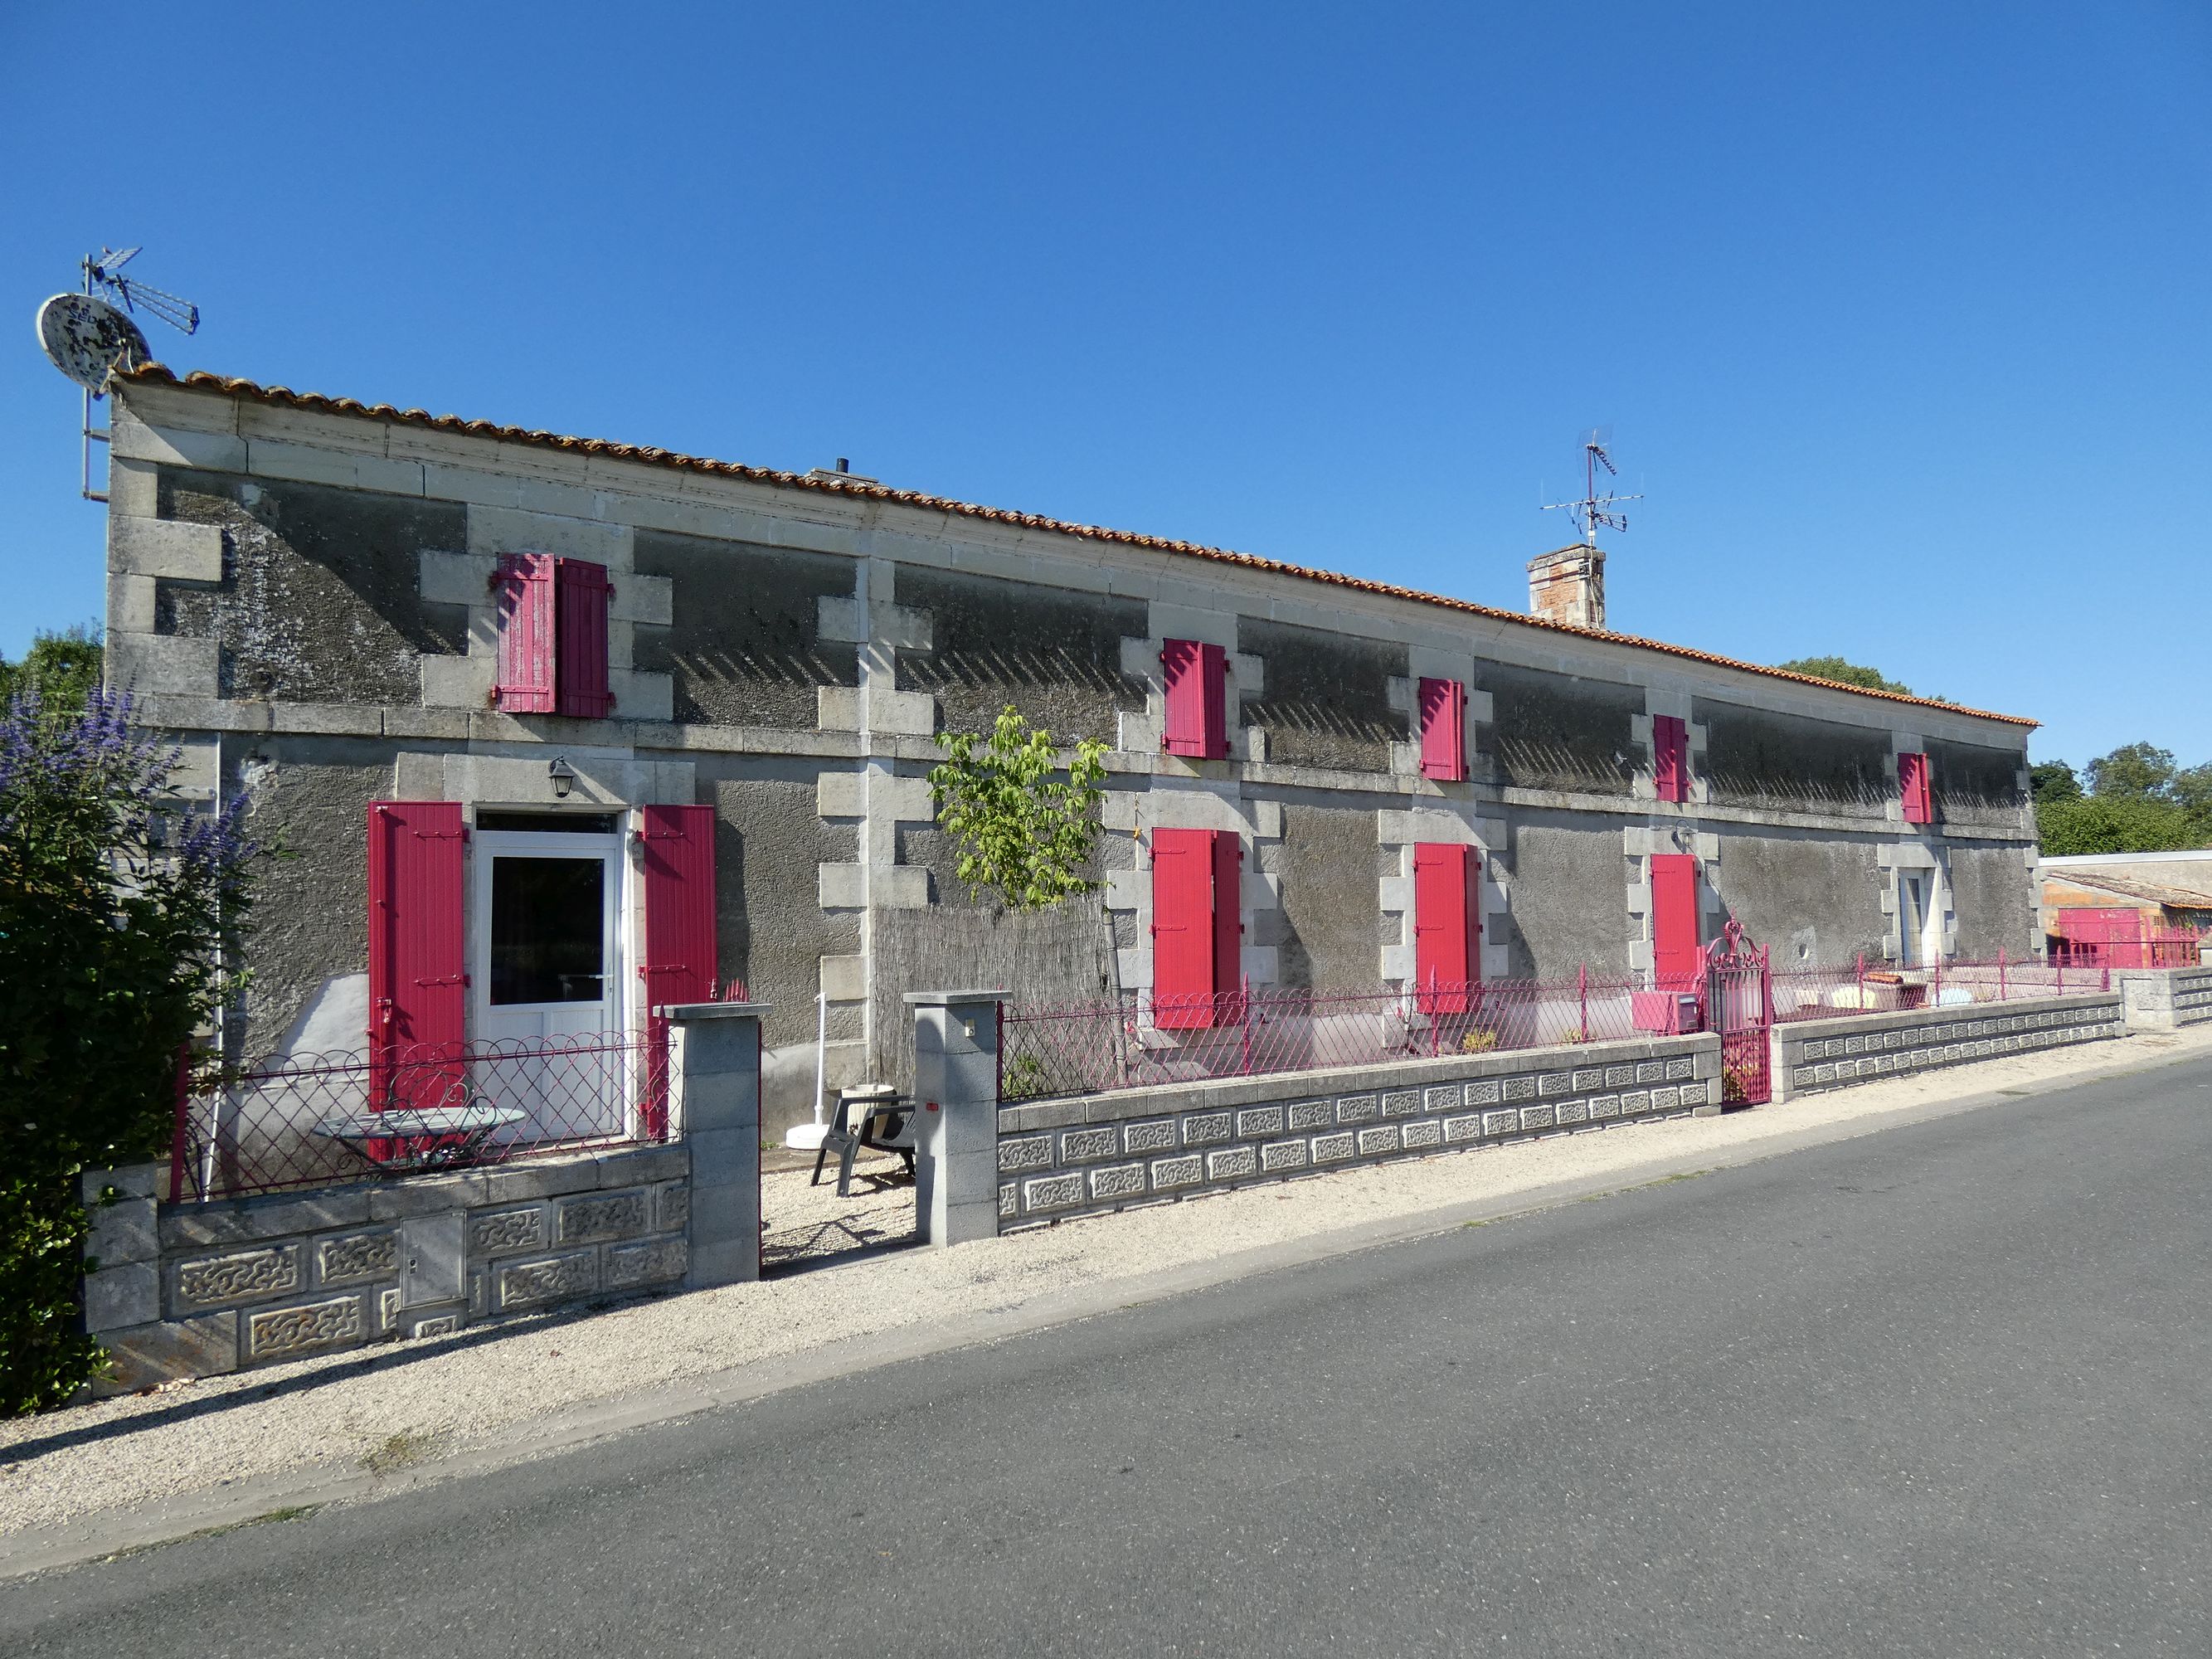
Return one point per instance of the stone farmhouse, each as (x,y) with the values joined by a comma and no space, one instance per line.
(555,731)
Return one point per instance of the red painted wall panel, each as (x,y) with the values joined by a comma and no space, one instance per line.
(1675,921)
(418,951)
(523,587)
(581,609)
(1443,730)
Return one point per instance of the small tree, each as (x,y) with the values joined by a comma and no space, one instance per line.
(1844,672)
(117,911)
(1024,833)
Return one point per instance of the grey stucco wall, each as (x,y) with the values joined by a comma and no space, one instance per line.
(1327,931)
(1055,655)
(1809,898)
(1568,904)
(1326,699)
(1994,897)
(744,644)
(1551,731)
(320,596)
(1763,757)
(1976,786)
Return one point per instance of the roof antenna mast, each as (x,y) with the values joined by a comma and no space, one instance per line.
(1593,509)
(89,338)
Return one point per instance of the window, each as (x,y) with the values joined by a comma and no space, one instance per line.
(1913,789)
(1670,757)
(1447,926)
(1197,929)
(552,616)
(1196,676)
(1443,730)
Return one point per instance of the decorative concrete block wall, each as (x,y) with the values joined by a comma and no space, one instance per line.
(2164,999)
(200,1289)
(1108,1152)
(1816,1054)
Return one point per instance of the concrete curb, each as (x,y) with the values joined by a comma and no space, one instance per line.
(108,1532)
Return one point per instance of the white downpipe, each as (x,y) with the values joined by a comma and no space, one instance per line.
(806,1136)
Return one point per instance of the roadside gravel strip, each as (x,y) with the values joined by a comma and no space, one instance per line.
(229,1449)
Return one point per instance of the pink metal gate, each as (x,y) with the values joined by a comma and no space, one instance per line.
(1740,1007)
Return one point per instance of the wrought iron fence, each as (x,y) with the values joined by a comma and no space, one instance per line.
(1137,1039)
(2176,948)
(313,1120)
(1862,987)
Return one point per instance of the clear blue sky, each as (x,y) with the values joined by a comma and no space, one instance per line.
(1900,312)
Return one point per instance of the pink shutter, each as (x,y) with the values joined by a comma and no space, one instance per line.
(418,969)
(581,610)
(1443,730)
(1913,790)
(681,959)
(1196,677)
(524,585)
(1183,982)
(1675,921)
(1227,901)
(1447,929)
(1670,757)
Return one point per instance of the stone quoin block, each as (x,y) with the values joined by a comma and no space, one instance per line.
(599,1219)
(239,1276)
(1331,1149)
(160,1351)
(1401,1102)
(1421,1133)
(284,1333)
(1485,1093)
(1118,1181)
(1156,1135)
(539,1284)
(1205,1128)
(1085,1145)
(127,1295)
(1357,1108)
(1052,1192)
(1506,1122)
(507,1230)
(1020,1152)
(1373,1143)
(648,1262)
(1283,1155)
(1312,1113)
(1170,1172)
(355,1257)
(1520,1088)
(1466,1127)
(1232,1164)
(1260,1121)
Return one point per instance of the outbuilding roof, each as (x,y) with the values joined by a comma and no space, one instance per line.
(158,373)
(2130,887)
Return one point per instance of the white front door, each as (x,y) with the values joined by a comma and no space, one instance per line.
(1912,916)
(548,980)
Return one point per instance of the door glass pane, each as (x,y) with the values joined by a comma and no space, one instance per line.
(1913,909)
(548,930)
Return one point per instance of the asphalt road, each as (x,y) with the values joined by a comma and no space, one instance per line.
(1946,1389)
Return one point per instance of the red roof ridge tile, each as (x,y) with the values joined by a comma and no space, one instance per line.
(161,373)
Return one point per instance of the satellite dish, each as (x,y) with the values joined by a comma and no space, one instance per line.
(86,338)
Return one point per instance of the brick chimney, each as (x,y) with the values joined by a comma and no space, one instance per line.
(1569,586)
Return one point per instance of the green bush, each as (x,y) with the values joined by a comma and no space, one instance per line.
(119,911)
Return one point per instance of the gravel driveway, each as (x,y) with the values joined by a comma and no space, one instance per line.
(407,1402)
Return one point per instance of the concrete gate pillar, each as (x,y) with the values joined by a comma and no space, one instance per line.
(714,1068)
(955,1098)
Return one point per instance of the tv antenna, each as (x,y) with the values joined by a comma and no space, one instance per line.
(88,336)
(1595,509)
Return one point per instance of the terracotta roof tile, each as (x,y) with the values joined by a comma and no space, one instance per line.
(159,373)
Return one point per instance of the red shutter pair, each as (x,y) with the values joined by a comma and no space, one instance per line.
(1198,931)
(1914,788)
(1443,730)
(417,950)
(553,635)
(1670,757)
(1447,926)
(1196,678)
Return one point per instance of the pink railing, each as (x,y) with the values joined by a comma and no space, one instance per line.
(1874,987)
(1135,1039)
(313,1120)
(2176,948)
